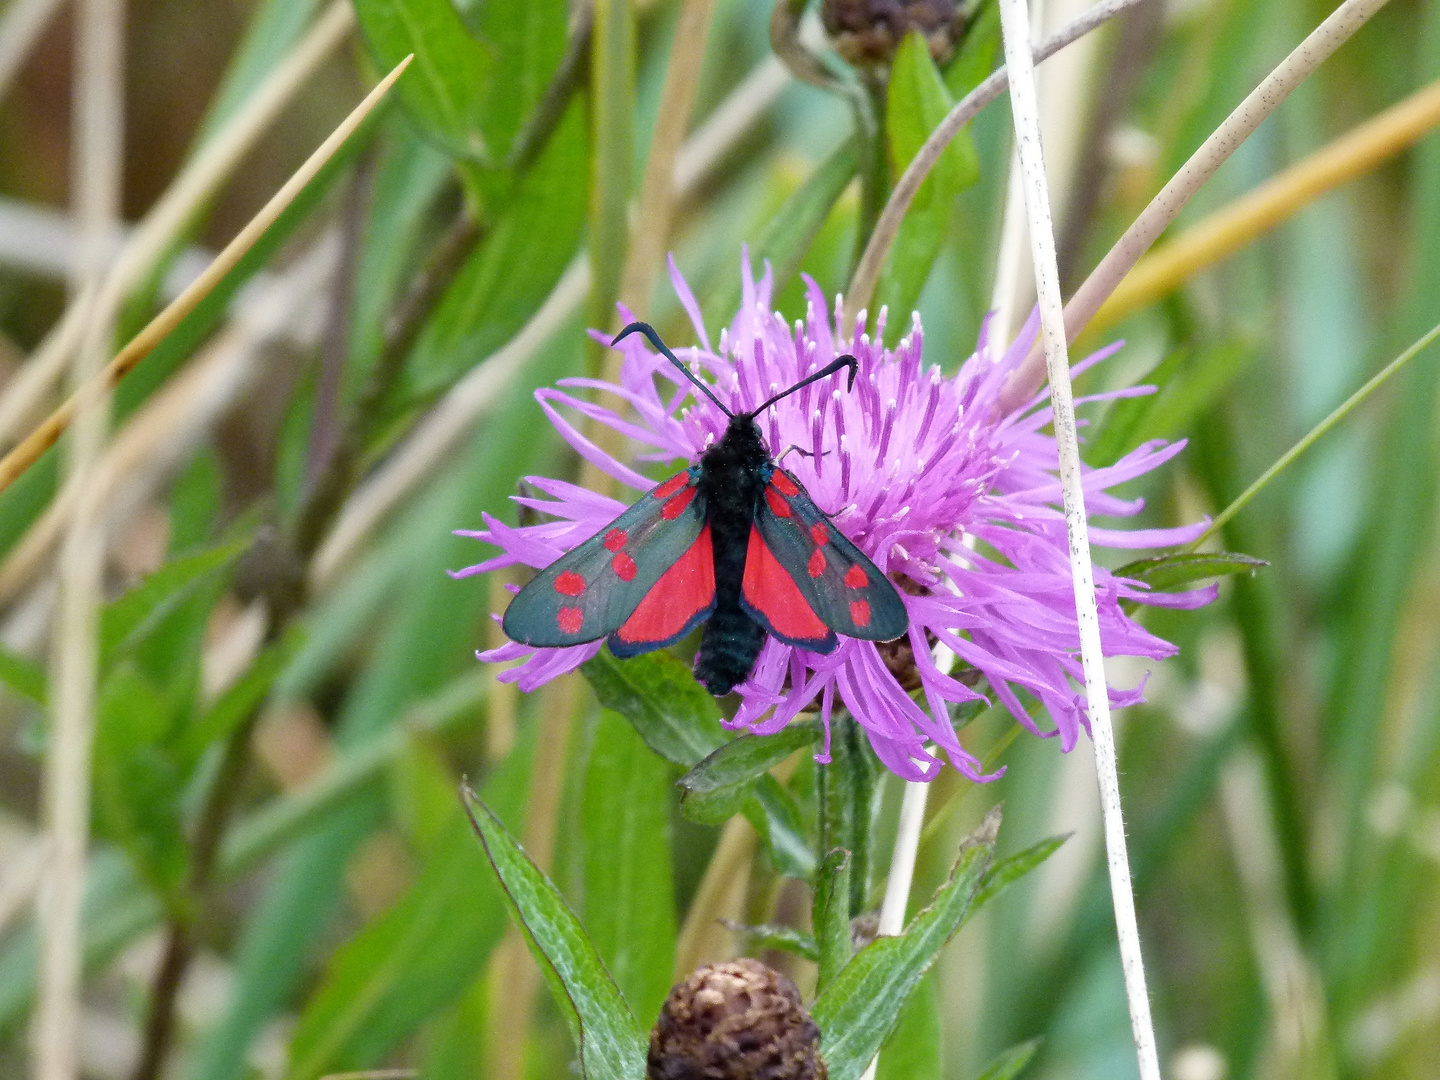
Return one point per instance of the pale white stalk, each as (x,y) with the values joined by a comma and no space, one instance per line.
(98,125)
(1015,29)
(1166,206)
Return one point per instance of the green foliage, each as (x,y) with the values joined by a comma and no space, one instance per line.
(629,895)
(1009,1064)
(859,1008)
(445,90)
(611,1044)
(832,916)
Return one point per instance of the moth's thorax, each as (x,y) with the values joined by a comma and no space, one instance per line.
(734,465)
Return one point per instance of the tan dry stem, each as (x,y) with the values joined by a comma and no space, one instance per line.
(1230,228)
(42,438)
(1215,151)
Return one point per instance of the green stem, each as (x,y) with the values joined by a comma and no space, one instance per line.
(1287,459)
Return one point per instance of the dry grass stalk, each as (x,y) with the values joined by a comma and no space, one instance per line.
(1015,27)
(96,162)
(1163,209)
(1230,228)
(867,273)
(43,437)
(152,237)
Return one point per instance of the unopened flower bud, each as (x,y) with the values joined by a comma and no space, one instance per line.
(735,1021)
(867,32)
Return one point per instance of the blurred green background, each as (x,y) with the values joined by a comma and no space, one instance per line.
(1282,783)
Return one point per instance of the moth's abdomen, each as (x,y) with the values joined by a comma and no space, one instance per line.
(731,642)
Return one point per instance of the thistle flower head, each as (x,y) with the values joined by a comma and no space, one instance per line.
(955,499)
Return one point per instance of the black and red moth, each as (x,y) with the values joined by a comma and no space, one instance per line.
(733,542)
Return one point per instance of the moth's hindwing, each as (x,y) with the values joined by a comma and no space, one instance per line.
(656,554)
(840,589)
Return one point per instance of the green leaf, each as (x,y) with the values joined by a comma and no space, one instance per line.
(127,621)
(831,917)
(418,957)
(1171,573)
(859,1009)
(510,273)
(1009,1064)
(444,91)
(612,1045)
(913,1050)
(657,693)
(789,235)
(780,938)
(742,761)
(1007,871)
(917,100)
(240,701)
(138,783)
(976,58)
(612,107)
(25,677)
(775,814)
(629,894)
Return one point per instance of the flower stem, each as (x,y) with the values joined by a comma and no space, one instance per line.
(1015,28)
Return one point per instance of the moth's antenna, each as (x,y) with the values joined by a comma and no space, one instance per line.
(649,332)
(846,361)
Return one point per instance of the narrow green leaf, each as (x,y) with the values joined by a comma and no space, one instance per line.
(913,1050)
(831,916)
(779,938)
(1009,1064)
(25,677)
(126,621)
(629,894)
(775,813)
(612,105)
(418,957)
(1007,871)
(1171,573)
(612,1045)
(917,100)
(444,91)
(745,759)
(657,693)
(859,1009)
(789,235)
(241,700)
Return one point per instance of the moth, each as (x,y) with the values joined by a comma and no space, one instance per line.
(733,542)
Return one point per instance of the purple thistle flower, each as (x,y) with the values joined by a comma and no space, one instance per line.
(955,500)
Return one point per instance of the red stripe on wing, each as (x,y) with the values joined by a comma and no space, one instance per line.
(770,590)
(682,592)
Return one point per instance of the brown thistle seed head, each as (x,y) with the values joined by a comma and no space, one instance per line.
(735,1021)
(867,32)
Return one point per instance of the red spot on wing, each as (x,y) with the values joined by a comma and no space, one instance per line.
(860,612)
(569,584)
(817,563)
(856,578)
(669,487)
(684,590)
(778,505)
(615,539)
(569,619)
(769,589)
(676,506)
(782,481)
(624,566)
(820,534)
